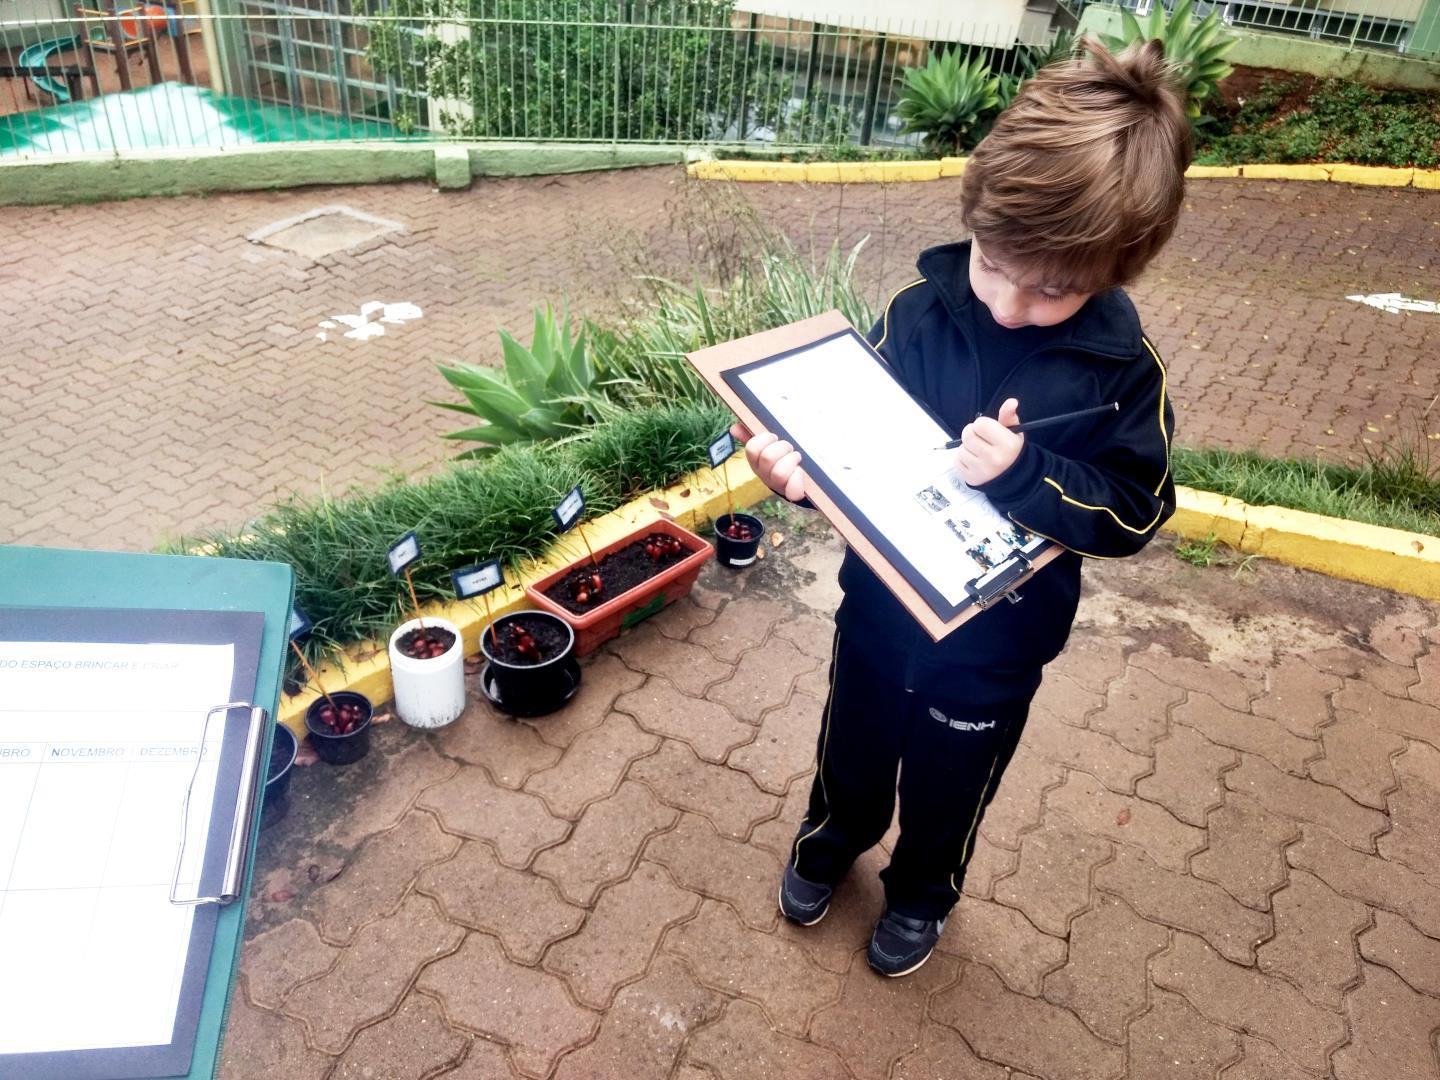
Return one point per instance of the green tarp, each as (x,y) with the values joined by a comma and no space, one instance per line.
(172,115)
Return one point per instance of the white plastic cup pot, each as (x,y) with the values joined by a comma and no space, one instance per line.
(429,693)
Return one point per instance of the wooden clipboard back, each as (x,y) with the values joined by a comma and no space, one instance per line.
(713,363)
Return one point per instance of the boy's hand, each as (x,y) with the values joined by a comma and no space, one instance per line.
(774,461)
(988,447)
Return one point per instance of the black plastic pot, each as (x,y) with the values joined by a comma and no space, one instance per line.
(277,780)
(530,689)
(340,749)
(738,552)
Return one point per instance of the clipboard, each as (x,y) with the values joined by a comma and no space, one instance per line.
(725,368)
(73,596)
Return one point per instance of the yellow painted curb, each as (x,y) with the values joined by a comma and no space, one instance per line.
(772,172)
(1202,172)
(1285,172)
(1388,558)
(1427,179)
(695,499)
(953,166)
(1371,175)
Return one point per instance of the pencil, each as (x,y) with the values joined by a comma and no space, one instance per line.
(1060,418)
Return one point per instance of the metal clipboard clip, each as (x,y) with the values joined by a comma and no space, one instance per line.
(244,804)
(1002,581)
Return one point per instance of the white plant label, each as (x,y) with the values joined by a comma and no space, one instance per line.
(371,320)
(1394,303)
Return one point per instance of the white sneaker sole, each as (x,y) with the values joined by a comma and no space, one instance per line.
(780,901)
(914,967)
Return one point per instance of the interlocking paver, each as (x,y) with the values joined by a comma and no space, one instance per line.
(690,667)
(279,959)
(1186,779)
(742,1045)
(1004,940)
(1283,793)
(605,842)
(681,617)
(1392,1029)
(988,864)
(510,752)
(1104,978)
(1023,1032)
(727,956)
(378,878)
(944,1055)
(1245,731)
(1052,882)
(1135,709)
(1376,881)
(762,679)
(593,765)
(703,861)
(1246,1000)
(1186,903)
(1229,687)
(526,1009)
(783,749)
(388,795)
(1358,760)
(1297,695)
(1261,1061)
(739,627)
(1065,699)
(515,822)
(876,1022)
(1414,810)
(1403,716)
(1126,820)
(1245,852)
(624,929)
(1016,807)
(708,729)
(409,1045)
(515,906)
(373,974)
(645,1027)
(1092,660)
(263,1045)
(605,678)
(729,798)
(1397,945)
(484,1060)
(1314,942)
(812,635)
(1174,1042)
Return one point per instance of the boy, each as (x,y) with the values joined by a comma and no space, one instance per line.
(1075,189)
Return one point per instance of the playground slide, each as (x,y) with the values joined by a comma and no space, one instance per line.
(36,56)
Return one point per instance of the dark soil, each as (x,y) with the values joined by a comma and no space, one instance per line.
(1244,83)
(549,640)
(341,722)
(425,643)
(620,571)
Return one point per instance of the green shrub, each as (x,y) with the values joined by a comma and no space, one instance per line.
(1195,48)
(948,100)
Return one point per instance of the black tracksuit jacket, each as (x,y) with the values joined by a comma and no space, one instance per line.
(1100,487)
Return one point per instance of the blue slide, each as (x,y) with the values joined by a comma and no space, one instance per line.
(36,57)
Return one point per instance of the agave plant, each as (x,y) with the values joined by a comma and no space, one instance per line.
(948,99)
(1195,48)
(548,391)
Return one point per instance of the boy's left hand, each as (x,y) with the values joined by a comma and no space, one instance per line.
(988,447)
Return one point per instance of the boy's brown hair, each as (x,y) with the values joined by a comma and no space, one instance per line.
(1080,182)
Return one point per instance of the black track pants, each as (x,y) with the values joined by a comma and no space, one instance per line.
(949,756)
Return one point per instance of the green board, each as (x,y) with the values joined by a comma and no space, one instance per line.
(46,577)
(177,116)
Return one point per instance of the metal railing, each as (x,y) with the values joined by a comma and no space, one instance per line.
(672,71)
(1373,24)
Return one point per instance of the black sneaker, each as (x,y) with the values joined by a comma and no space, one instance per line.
(803,901)
(901,944)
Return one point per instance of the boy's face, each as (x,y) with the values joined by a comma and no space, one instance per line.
(1014,301)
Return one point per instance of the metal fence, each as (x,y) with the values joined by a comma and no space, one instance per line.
(600,70)
(1375,24)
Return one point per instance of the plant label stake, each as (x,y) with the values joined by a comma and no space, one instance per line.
(721,451)
(402,553)
(567,516)
(481,580)
(300,626)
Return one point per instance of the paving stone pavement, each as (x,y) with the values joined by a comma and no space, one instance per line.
(1213,856)
(163,374)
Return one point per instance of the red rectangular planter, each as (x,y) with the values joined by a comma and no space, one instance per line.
(596,627)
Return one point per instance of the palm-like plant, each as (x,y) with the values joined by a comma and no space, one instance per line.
(1195,48)
(947,100)
(548,391)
